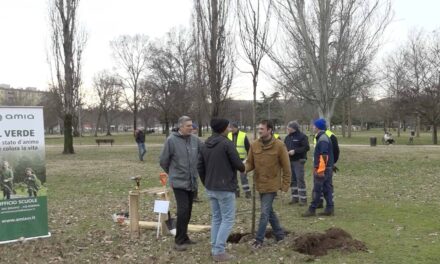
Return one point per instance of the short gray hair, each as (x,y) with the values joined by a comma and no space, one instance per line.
(294,125)
(182,120)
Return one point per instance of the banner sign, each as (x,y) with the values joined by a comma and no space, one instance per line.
(23,194)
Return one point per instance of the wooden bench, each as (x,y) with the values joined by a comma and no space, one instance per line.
(105,140)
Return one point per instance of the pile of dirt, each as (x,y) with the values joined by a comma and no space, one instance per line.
(318,244)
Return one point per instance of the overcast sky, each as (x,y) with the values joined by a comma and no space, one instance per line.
(24,27)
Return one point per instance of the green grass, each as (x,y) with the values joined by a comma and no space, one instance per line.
(358,138)
(386,197)
(125,138)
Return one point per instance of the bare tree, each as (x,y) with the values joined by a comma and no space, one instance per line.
(67,45)
(217,44)
(131,54)
(323,39)
(108,89)
(199,73)
(253,26)
(423,76)
(170,66)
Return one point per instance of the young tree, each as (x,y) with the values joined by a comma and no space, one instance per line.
(253,28)
(131,54)
(67,45)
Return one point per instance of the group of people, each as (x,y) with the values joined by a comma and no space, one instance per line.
(277,165)
(7,181)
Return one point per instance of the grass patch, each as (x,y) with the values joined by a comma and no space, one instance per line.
(386,197)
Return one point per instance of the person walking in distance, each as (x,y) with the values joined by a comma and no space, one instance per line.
(267,157)
(242,145)
(140,141)
(179,159)
(297,145)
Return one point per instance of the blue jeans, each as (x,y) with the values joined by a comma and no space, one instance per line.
(323,185)
(142,150)
(268,215)
(223,217)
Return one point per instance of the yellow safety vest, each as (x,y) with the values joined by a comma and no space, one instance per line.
(327,132)
(276,135)
(241,149)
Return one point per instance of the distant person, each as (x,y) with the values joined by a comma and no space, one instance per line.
(322,171)
(218,165)
(179,158)
(267,157)
(297,144)
(32,182)
(7,180)
(388,138)
(140,140)
(241,143)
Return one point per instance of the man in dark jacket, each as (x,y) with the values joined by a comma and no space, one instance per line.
(140,140)
(323,161)
(179,159)
(218,163)
(297,146)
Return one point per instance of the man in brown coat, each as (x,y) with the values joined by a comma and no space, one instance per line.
(267,157)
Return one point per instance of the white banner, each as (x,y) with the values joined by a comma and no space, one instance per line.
(23,204)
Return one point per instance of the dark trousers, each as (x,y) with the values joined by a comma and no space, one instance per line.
(184,202)
(323,185)
(6,194)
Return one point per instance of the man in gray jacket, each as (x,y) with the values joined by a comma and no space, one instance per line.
(179,159)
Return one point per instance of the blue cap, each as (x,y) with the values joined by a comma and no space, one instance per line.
(320,124)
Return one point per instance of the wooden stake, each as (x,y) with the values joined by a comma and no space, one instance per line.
(133,212)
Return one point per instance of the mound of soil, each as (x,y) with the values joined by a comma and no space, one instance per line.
(318,244)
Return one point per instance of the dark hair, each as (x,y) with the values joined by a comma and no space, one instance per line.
(267,123)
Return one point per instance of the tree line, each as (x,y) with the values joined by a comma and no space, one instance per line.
(319,55)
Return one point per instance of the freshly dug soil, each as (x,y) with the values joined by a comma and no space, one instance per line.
(318,244)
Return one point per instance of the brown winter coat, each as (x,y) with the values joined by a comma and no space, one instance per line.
(267,161)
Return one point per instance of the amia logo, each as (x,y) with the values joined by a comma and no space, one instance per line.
(17,116)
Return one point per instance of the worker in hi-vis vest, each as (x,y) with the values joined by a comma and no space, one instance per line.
(242,145)
(323,161)
(335,147)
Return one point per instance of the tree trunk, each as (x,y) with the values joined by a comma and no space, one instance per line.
(434,133)
(97,122)
(213,82)
(68,135)
(418,126)
(343,118)
(107,124)
(349,119)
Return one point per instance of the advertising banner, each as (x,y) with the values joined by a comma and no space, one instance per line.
(23,192)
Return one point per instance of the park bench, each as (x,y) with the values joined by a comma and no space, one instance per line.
(105,140)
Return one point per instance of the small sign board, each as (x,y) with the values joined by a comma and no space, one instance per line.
(161,206)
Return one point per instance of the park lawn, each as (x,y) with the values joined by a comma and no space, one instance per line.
(125,138)
(358,138)
(386,196)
